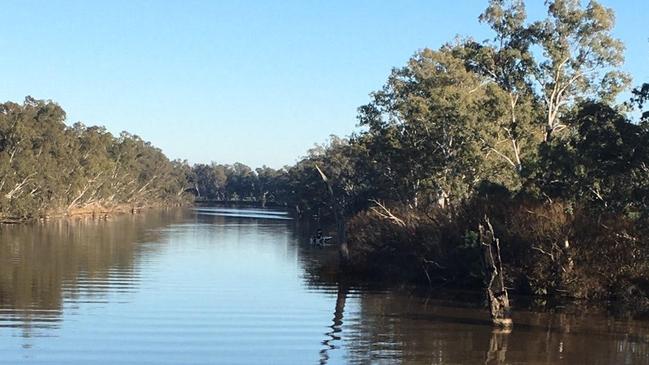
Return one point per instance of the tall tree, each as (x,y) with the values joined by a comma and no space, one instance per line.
(507,62)
(580,58)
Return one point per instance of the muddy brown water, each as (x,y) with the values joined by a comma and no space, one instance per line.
(234,286)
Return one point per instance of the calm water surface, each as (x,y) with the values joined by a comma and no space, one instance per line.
(227,286)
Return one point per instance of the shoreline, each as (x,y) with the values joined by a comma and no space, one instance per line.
(94,211)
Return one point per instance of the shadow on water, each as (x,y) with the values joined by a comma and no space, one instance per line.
(419,331)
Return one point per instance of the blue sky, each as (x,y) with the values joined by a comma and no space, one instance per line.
(252,81)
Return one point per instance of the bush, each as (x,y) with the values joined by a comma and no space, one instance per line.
(547,248)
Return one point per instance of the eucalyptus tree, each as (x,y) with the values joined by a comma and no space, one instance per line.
(339,160)
(241,182)
(505,63)
(32,142)
(89,178)
(640,99)
(603,165)
(568,57)
(580,58)
(430,128)
(545,68)
(47,167)
(605,162)
(268,186)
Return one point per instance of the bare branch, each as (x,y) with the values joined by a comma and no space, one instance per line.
(386,213)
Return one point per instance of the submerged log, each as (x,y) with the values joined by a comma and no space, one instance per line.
(494,276)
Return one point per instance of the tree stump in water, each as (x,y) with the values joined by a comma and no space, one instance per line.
(494,276)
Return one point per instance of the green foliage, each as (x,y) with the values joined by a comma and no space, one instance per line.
(469,119)
(470,113)
(237,182)
(521,127)
(299,186)
(423,133)
(640,98)
(603,162)
(47,167)
(340,161)
(581,58)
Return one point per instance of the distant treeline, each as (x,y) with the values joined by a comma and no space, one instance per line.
(49,168)
(299,187)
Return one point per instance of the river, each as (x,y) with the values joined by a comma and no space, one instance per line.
(242,286)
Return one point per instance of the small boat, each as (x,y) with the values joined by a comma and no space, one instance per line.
(320,241)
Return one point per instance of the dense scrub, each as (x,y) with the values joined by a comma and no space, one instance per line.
(546,248)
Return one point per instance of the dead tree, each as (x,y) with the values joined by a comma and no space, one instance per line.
(339,218)
(494,276)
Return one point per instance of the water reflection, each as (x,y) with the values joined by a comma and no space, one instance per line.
(454,328)
(77,260)
(333,336)
(407,328)
(497,352)
(241,286)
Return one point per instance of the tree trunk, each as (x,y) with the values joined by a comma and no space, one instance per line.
(494,276)
(263,199)
(340,220)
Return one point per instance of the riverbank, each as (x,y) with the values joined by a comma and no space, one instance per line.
(548,250)
(94,211)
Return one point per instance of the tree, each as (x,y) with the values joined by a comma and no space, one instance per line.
(504,64)
(581,59)
(604,163)
(431,129)
(268,184)
(241,182)
(48,168)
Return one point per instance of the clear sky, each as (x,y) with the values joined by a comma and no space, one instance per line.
(252,81)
